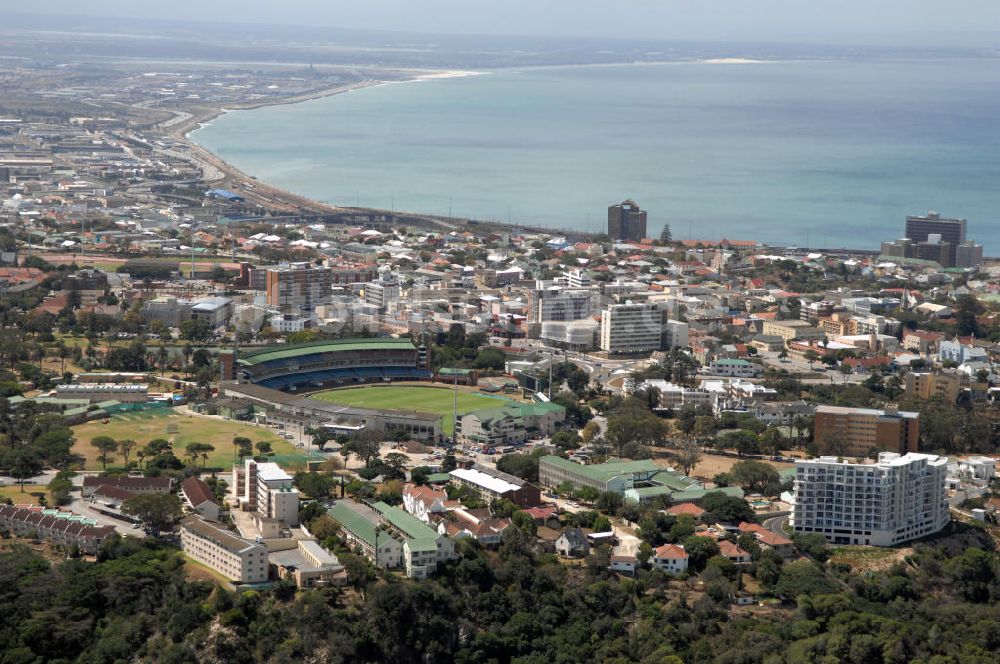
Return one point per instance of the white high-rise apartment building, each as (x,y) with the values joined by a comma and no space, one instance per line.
(896,499)
(632,328)
(556,304)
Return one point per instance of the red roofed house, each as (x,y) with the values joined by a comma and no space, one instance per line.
(127,483)
(689,509)
(422,501)
(733,552)
(670,558)
(770,539)
(200,499)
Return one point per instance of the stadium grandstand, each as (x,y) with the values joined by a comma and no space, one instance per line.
(334,363)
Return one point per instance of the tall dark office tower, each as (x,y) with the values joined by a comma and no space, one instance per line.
(626,221)
(951,231)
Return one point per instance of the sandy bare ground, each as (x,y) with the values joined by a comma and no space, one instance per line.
(710,464)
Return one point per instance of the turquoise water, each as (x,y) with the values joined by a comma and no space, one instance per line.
(833,153)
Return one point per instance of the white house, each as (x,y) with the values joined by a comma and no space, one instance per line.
(670,558)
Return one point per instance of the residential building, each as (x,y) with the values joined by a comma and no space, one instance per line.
(578,279)
(861,431)
(199,498)
(580,335)
(296,288)
(391,538)
(556,304)
(424,501)
(572,544)
(288,323)
(945,385)
(626,222)
(732,552)
(128,483)
(969,255)
(961,351)
(479,524)
(61,528)
(238,559)
(214,311)
(630,328)
(384,291)
(768,539)
(309,565)
(265,488)
(894,500)
(671,558)
(791,329)
(734,368)
(492,484)
(509,424)
(675,334)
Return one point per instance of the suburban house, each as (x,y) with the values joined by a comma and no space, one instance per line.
(733,552)
(769,539)
(478,524)
(423,501)
(623,563)
(198,498)
(686,509)
(572,544)
(56,526)
(670,558)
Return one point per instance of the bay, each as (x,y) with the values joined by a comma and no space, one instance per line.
(820,153)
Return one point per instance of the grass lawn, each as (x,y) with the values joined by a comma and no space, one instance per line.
(197,571)
(29,497)
(436,400)
(181,430)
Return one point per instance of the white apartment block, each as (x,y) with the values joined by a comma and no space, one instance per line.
(894,500)
(265,488)
(632,328)
(235,558)
(555,304)
(675,334)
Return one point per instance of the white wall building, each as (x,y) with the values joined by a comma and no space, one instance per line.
(265,488)
(896,499)
(235,558)
(632,328)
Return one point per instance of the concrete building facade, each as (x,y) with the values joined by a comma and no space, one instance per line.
(860,431)
(894,500)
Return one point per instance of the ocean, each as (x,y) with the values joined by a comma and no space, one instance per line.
(812,153)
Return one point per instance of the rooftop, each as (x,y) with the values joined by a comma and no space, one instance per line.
(489,482)
(223,538)
(284,352)
(602,472)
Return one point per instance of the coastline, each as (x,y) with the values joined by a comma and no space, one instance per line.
(217,170)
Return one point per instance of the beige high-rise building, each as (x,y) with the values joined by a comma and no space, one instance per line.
(860,431)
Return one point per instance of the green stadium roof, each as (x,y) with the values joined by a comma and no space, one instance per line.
(285,352)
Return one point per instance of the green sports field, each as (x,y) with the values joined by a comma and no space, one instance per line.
(437,400)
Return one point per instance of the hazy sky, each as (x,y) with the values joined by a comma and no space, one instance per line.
(955,22)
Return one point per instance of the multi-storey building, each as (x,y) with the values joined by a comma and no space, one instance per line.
(946,385)
(384,291)
(238,559)
(615,476)
(791,329)
(894,500)
(968,254)
(556,304)
(628,329)
(861,431)
(296,288)
(626,222)
(919,228)
(493,485)
(265,488)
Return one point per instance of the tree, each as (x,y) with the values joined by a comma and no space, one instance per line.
(365,445)
(24,463)
(524,522)
(244,447)
(264,448)
(967,309)
(804,577)
(753,476)
(810,356)
(726,509)
(396,460)
(158,511)
(591,430)
(743,441)
(106,448)
(665,235)
(772,441)
(633,424)
(687,455)
(125,447)
(699,550)
(524,466)
(315,485)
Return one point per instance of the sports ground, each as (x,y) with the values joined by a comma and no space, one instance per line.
(181,430)
(436,400)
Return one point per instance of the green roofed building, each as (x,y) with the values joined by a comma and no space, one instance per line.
(510,424)
(613,476)
(390,538)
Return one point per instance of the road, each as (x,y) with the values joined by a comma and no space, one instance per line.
(777,524)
